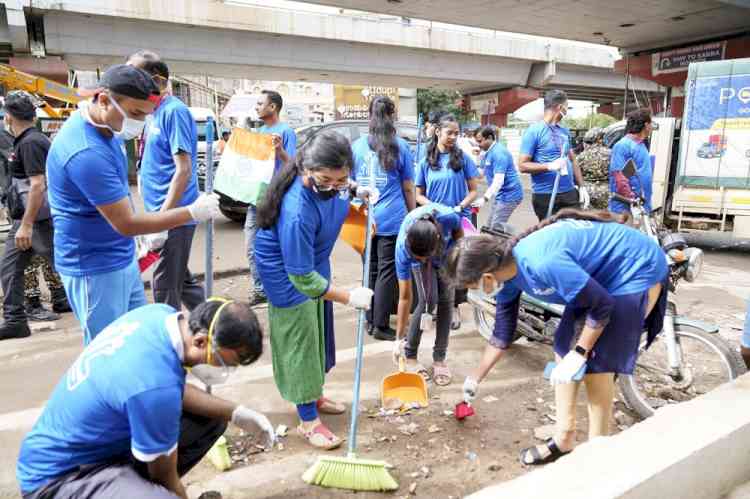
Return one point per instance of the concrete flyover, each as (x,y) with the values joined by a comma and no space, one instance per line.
(263,43)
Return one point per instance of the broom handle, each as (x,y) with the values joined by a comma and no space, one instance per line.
(209,263)
(555,186)
(360,336)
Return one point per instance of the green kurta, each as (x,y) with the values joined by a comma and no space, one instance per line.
(298,350)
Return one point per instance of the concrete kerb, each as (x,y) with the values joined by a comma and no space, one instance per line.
(693,450)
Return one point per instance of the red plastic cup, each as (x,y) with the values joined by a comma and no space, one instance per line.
(463,411)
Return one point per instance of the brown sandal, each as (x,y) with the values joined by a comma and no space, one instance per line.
(442,375)
(320,437)
(328,406)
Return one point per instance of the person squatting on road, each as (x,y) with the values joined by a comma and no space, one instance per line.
(122,422)
(169,179)
(268,108)
(300,218)
(632,147)
(504,191)
(594,165)
(448,176)
(383,161)
(609,276)
(87,172)
(31,231)
(545,153)
(423,240)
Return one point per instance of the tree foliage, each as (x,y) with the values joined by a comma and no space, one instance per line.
(429,100)
(590,121)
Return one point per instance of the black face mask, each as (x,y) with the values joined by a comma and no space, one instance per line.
(324,194)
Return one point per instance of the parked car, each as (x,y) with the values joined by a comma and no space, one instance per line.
(351,129)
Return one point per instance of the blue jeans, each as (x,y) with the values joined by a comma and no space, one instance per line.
(97,300)
(746,331)
(250,229)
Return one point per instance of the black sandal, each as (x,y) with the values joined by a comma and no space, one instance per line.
(554,454)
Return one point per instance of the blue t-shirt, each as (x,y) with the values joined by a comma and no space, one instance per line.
(546,143)
(171,130)
(497,161)
(123,394)
(390,209)
(86,170)
(449,221)
(301,242)
(288,140)
(642,183)
(556,262)
(445,186)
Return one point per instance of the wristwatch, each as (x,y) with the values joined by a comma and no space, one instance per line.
(582,351)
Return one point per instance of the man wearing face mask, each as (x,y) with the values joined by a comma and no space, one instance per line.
(546,153)
(95,222)
(31,231)
(122,422)
(169,179)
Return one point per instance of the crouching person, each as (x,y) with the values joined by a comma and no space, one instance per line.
(123,423)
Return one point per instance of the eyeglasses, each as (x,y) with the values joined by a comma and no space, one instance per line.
(341,186)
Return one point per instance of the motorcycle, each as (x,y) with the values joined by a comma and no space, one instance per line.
(688,358)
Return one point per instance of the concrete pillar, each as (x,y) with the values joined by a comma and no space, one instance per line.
(508,101)
(16,20)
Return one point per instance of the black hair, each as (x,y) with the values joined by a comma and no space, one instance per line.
(20,105)
(225,133)
(554,98)
(146,55)
(382,137)
(327,149)
(488,132)
(425,237)
(274,98)
(236,328)
(456,161)
(474,256)
(434,116)
(637,120)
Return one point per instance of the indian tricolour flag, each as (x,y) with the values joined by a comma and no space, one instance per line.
(246,166)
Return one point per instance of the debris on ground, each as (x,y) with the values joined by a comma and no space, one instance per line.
(392,404)
(425,471)
(413,488)
(494,466)
(433,429)
(409,429)
(490,399)
(282,430)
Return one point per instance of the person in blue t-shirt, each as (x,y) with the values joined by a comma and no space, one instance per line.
(168,179)
(382,160)
(122,422)
(632,147)
(285,141)
(448,176)
(546,153)
(300,218)
(426,235)
(611,279)
(504,191)
(89,197)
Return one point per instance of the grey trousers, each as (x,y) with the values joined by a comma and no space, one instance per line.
(14,263)
(250,229)
(433,293)
(173,283)
(501,212)
(125,477)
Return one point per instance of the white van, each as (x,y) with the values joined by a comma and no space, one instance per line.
(201,115)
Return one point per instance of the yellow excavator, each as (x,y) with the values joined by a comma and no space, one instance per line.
(12,79)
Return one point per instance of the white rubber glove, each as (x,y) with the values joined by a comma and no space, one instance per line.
(367,192)
(583,197)
(471,387)
(399,349)
(458,208)
(252,421)
(479,202)
(567,368)
(205,208)
(155,242)
(360,298)
(560,164)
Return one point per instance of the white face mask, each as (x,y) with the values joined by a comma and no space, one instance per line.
(489,293)
(131,128)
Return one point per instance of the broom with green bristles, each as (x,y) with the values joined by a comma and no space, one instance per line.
(349,472)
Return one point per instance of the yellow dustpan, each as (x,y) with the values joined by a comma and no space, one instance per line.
(408,388)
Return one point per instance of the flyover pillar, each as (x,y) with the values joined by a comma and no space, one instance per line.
(493,108)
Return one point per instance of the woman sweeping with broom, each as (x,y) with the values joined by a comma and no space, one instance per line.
(610,278)
(300,218)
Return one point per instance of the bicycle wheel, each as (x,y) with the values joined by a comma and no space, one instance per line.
(707,362)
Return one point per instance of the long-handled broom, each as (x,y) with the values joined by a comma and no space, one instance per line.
(349,472)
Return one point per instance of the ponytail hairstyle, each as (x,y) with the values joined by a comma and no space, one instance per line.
(236,327)
(382,137)
(425,237)
(325,150)
(474,256)
(456,161)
